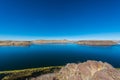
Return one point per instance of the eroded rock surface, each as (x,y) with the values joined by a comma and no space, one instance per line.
(90,70)
(50,76)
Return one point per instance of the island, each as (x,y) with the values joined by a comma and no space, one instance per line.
(15,43)
(97,42)
(50,41)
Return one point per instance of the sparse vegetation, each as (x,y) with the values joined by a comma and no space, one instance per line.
(22,74)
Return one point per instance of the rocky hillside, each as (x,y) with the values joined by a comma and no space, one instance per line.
(90,70)
(97,42)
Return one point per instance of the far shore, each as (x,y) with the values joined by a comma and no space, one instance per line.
(15,43)
(97,42)
(81,42)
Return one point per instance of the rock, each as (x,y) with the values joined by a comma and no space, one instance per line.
(90,70)
(110,74)
(50,76)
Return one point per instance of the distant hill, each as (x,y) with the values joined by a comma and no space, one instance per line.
(97,42)
(50,41)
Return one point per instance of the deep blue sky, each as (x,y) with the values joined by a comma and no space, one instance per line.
(48,19)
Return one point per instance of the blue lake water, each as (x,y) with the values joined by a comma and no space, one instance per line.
(12,57)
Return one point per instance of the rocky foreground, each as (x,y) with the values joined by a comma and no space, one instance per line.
(90,70)
(97,42)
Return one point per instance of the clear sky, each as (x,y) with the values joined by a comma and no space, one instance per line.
(59,19)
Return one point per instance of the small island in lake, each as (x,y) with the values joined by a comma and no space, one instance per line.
(97,42)
(49,41)
(15,43)
(27,43)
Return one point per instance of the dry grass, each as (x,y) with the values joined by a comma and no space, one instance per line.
(22,74)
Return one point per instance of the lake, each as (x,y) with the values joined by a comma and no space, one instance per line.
(13,57)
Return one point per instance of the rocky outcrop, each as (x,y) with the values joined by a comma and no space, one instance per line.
(50,76)
(97,42)
(90,70)
(15,43)
(49,41)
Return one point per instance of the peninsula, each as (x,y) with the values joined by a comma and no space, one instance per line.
(15,43)
(97,42)
(49,41)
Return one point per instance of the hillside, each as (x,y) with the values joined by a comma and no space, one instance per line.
(90,70)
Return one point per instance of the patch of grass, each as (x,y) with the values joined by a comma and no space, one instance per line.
(22,74)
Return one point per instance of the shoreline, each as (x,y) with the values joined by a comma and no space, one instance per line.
(30,72)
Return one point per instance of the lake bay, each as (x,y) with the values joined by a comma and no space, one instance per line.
(15,57)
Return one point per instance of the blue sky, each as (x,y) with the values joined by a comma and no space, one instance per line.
(59,19)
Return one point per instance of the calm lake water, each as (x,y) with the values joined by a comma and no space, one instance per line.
(12,57)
